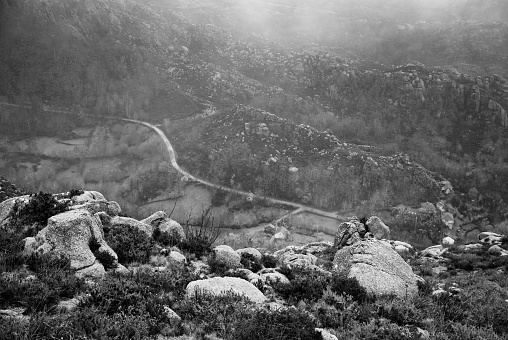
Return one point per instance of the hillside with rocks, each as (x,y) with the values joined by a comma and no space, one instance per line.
(73,267)
(378,125)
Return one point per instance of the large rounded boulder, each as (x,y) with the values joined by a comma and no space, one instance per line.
(74,234)
(377,267)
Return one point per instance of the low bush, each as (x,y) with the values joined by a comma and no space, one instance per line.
(269,261)
(292,324)
(250,262)
(164,238)
(351,287)
(129,243)
(36,211)
(54,280)
(199,238)
(216,314)
(305,285)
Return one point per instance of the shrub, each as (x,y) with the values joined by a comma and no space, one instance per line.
(199,238)
(292,324)
(250,262)
(269,261)
(75,192)
(55,280)
(219,314)
(350,286)
(163,238)
(129,243)
(305,285)
(37,210)
(11,247)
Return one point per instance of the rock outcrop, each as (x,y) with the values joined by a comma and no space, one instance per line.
(349,233)
(75,234)
(378,228)
(377,267)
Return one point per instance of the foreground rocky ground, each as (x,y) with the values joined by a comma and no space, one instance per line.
(73,268)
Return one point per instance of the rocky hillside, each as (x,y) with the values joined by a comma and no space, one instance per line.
(159,60)
(157,279)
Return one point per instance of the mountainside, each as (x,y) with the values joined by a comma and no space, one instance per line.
(426,81)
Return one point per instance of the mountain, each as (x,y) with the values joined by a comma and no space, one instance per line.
(365,81)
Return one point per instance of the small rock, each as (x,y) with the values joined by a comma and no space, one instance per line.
(270,229)
(422,334)
(438,270)
(378,228)
(174,319)
(434,251)
(495,250)
(176,257)
(252,251)
(225,256)
(326,335)
(448,241)
(220,286)
(275,277)
(490,238)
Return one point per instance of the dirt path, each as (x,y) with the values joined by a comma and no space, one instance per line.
(172,156)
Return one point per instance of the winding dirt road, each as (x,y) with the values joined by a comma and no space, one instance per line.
(172,156)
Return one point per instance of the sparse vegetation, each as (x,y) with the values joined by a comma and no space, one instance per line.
(129,243)
(34,214)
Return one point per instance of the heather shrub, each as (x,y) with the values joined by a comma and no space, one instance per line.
(54,280)
(250,262)
(36,211)
(269,261)
(351,287)
(11,247)
(199,238)
(163,238)
(129,243)
(291,324)
(305,285)
(216,314)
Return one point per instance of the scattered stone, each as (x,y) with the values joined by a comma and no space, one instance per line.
(165,224)
(434,251)
(422,334)
(89,196)
(174,319)
(490,238)
(70,305)
(378,228)
(252,251)
(275,277)
(226,256)
(281,234)
(448,241)
(199,268)
(270,229)
(448,219)
(176,258)
(119,221)
(439,269)
(377,267)
(468,247)
(495,250)
(349,233)
(96,270)
(326,335)
(220,286)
